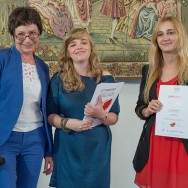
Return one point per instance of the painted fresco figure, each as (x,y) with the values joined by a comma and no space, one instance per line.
(142,17)
(55,15)
(113,9)
(149,15)
(145,19)
(81,12)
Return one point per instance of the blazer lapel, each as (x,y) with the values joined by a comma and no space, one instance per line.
(42,79)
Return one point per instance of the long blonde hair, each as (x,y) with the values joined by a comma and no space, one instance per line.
(71,79)
(156,57)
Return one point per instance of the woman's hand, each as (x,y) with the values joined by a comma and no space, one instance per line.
(153,107)
(73,124)
(48,165)
(78,125)
(95,111)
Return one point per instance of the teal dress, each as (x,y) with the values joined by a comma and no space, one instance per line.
(81,159)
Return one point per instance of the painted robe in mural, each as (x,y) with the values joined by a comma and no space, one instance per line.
(81,11)
(113,8)
(55,15)
(142,17)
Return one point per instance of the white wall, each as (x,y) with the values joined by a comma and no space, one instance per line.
(125,138)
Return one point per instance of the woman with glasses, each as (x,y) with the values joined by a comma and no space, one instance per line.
(25,137)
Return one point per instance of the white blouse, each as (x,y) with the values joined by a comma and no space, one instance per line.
(30,117)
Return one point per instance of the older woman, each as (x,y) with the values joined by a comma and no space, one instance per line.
(25,137)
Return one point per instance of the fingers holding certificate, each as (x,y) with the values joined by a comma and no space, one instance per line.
(154,107)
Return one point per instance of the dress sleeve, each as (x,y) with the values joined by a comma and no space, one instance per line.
(52,96)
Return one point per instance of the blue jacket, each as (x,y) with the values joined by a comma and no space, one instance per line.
(11,93)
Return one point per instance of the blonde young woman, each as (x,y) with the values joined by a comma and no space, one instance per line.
(162,161)
(81,153)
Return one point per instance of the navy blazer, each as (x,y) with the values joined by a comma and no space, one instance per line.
(142,151)
(11,93)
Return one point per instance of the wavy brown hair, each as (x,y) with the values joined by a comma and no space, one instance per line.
(156,57)
(71,79)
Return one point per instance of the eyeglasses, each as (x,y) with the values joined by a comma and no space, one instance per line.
(22,36)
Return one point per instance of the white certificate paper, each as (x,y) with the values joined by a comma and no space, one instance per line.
(108,92)
(172,120)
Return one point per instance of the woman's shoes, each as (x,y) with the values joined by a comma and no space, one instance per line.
(115,38)
(111,41)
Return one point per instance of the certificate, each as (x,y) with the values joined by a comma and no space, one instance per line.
(172,120)
(108,93)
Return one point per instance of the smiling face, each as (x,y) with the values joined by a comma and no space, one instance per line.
(80,49)
(30,42)
(167,37)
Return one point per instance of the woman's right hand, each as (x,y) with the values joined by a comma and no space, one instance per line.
(153,107)
(78,125)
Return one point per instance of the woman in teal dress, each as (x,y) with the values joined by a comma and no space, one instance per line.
(81,152)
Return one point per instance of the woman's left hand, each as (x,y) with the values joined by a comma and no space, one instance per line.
(94,111)
(48,165)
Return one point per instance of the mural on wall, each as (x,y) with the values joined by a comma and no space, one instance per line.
(121,29)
